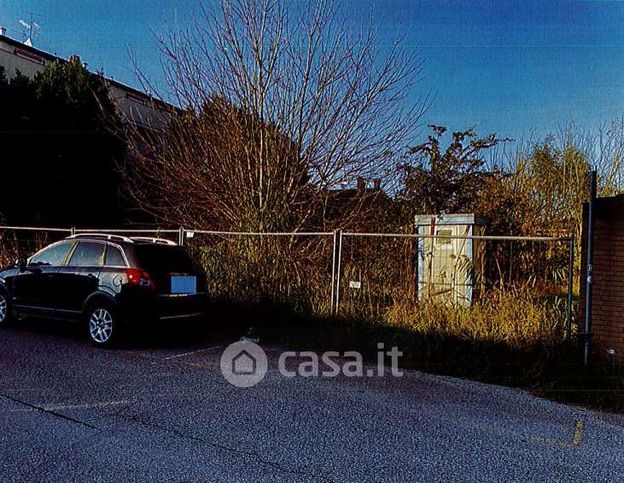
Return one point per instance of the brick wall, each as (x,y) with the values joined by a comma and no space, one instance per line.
(608,276)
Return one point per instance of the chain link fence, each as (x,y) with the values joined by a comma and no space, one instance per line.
(286,269)
(457,279)
(390,278)
(17,241)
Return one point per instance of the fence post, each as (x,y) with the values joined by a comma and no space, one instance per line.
(570,286)
(72,231)
(333,275)
(338,270)
(181,236)
(590,278)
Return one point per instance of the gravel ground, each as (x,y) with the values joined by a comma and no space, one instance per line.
(162,411)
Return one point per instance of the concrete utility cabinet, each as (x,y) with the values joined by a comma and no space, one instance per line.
(449,268)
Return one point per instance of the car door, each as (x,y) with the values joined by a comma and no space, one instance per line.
(34,289)
(79,278)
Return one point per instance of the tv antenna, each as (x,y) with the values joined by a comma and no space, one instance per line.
(31,28)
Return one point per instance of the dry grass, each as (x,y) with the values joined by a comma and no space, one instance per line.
(516,318)
(293,272)
(296,273)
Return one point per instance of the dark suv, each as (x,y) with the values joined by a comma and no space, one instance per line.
(105,281)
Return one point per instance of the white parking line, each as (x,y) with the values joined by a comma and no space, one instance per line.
(60,407)
(177,356)
(578,432)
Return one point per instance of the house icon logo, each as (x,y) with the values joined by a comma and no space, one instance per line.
(244,364)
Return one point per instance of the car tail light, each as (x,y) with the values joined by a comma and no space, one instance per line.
(136,276)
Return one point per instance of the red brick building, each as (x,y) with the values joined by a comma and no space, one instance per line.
(608,277)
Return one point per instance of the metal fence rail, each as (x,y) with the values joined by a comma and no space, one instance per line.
(293,269)
(379,272)
(16,241)
(360,274)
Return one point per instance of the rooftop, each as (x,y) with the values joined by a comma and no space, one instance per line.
(34,55)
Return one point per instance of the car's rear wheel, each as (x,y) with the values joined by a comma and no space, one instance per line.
(102,325)
(5,310)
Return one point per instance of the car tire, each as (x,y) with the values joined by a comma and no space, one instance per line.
(6,315)
(102,325)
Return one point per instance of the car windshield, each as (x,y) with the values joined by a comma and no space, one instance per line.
(164,259)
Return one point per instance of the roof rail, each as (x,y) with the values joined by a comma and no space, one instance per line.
(159,241)
(101,236)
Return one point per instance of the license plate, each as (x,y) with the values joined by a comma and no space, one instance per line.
(183,284)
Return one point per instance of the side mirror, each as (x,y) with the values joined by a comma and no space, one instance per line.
(21,263)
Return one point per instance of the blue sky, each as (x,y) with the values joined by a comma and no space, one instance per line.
(511,67)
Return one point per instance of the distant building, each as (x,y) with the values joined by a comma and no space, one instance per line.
(367,200)
(135,107)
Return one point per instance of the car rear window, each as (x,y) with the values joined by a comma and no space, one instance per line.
(114,258)
(164,259)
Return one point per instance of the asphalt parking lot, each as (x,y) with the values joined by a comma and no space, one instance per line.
(163,411)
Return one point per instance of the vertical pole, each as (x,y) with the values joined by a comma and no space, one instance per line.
(333,276)
(338,274)
(590,281)
(181,236)
(72,230)
(570,286)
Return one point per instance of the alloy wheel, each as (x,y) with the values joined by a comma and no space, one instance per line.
(4,309)
(101,325)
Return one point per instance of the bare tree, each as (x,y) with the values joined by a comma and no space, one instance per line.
(608,157)
(282,105)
